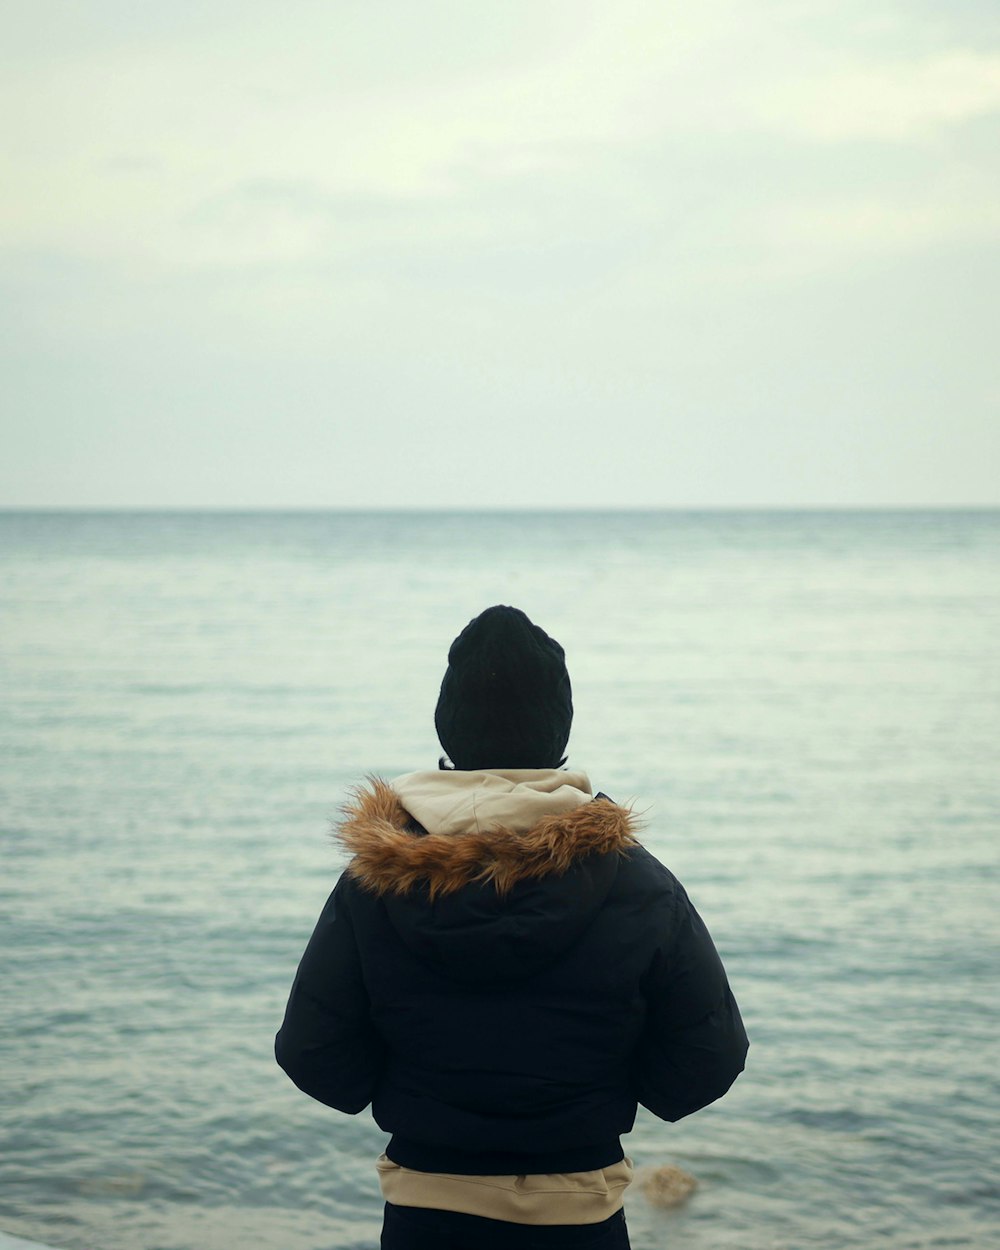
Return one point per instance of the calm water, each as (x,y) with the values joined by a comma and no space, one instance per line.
(804,706)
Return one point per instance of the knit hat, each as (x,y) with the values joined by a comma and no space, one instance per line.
(506,700)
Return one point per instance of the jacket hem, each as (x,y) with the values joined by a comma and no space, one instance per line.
(422,1157)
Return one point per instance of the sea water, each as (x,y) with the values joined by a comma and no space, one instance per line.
(802,707)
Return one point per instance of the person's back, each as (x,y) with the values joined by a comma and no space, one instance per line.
(503,972)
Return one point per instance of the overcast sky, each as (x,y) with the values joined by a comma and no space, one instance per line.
(441,253)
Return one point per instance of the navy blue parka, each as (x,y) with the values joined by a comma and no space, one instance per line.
(504,1001)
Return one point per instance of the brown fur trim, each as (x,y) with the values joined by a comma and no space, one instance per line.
(388,858)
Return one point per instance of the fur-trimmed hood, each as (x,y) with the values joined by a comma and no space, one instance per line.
(516,897)
(392,853)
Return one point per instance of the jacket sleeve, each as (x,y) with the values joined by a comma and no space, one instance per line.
(327,1043)
(693,1045)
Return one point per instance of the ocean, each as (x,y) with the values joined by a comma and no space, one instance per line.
(802,706)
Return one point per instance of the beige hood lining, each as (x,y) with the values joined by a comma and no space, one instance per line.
(453,801)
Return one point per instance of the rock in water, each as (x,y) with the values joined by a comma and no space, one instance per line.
(667,1186)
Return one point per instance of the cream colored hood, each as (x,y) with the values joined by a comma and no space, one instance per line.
(455,802)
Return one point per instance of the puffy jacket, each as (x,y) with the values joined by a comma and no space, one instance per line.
(504,997)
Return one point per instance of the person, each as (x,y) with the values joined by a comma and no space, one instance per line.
(503,972)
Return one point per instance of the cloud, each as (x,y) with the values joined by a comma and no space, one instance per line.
(903,101)
(239,141)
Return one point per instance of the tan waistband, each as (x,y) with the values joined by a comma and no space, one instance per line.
(558,1198)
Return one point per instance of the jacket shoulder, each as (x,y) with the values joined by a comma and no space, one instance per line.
(642,875)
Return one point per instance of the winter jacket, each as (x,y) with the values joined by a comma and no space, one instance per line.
(504,995)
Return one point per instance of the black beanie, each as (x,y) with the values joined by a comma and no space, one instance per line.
(505,700)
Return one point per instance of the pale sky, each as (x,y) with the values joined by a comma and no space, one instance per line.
(551,254)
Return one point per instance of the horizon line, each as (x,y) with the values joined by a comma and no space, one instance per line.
(499,510)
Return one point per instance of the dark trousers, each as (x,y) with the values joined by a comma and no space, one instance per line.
(415,1228)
